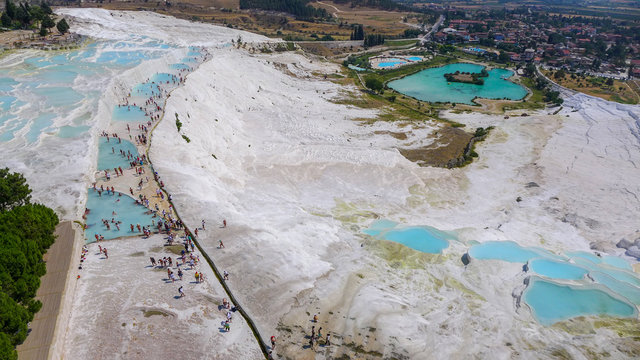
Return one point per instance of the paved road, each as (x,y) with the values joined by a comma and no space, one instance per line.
(58,258)
(433,29)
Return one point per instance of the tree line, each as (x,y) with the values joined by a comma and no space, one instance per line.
(369,39)
(378,4)
(26,232)
(299,8)
(25,16)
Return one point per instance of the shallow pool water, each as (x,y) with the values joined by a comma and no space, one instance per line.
(379,226)
(72,131)
(422,238)
(551,302)
(180,66)
(414,58)
(58,96)
(164,78)
(431,85)
(145,90)
(189,60)
(109,155)
(506,251)
(556,269)
(614,261)
(128,113)
(119,208)
(618,274)
(40,124)
(622,288)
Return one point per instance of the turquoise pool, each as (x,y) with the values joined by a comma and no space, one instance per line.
(379,226)
(618,274)
(126,211)
(551,302)
(109,154)
(180,66)
(128,113)
(414,58)
(604,259)
(430,85)
(356,68)
(628,291)
(557,269)
(422,238)
(164,78)
(506,251)
(145,90)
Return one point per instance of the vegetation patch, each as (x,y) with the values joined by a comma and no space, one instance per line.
(26,232)
(467,77)
(150,313)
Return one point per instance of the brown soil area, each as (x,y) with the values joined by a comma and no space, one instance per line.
(449,146)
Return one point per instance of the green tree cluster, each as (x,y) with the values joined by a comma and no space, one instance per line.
(62,26)
(26,232)
(25,16)
(299,8)
(358,32)
(373,83)
(373,40)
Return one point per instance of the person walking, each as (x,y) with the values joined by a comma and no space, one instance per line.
(273,342)
(181,291)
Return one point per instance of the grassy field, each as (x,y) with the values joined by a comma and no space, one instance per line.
(374,20)
(620,91)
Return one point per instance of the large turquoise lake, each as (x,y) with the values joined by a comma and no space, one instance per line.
(430,85)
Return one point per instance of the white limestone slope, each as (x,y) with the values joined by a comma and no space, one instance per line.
(297,178)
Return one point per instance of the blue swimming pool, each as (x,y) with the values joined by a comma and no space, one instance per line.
(414,58)
(391,63)
(119,208)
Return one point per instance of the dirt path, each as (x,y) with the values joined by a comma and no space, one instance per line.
(335,8)
(42,328)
